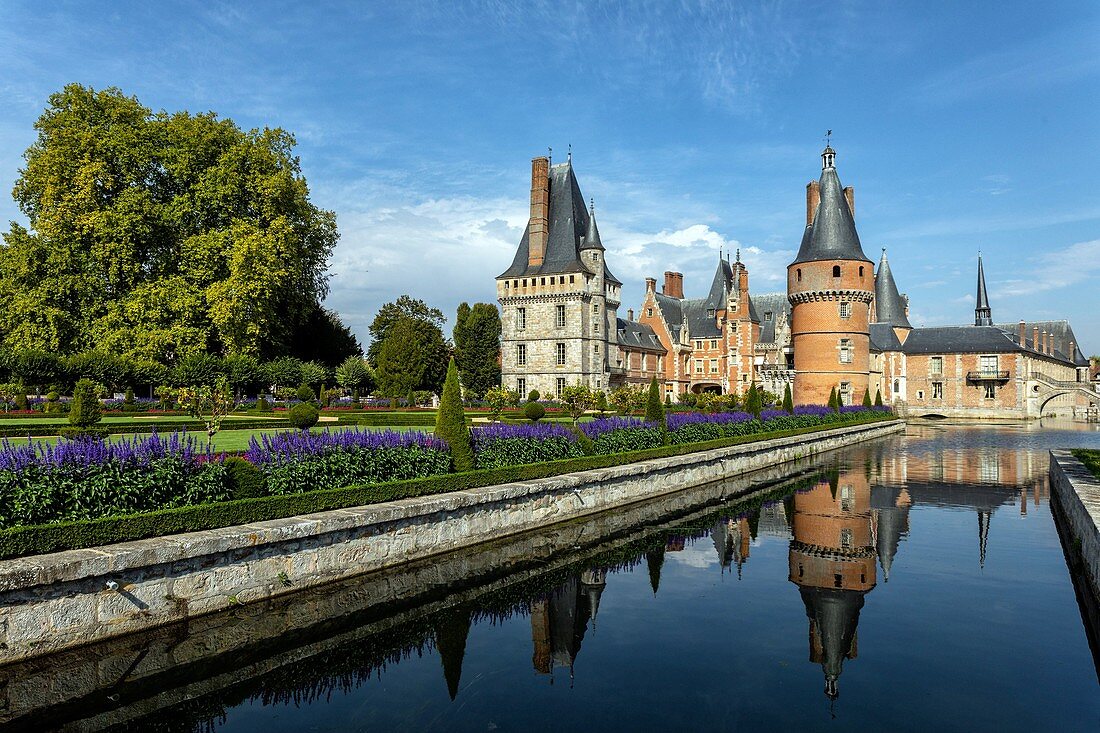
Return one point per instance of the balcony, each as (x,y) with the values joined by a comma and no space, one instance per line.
(984,376)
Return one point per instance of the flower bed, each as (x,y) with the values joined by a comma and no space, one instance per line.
(621,434)
(513,445)
(85,479)
(296,461)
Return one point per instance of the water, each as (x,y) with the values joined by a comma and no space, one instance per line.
(913,583)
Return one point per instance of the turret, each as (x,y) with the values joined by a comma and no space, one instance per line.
(889,303)
(983,316)
(830,286)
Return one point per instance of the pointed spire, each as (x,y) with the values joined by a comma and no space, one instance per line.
(983,536)
(983,316)
(592,236)
(450,641)
(654,560)
(889,305)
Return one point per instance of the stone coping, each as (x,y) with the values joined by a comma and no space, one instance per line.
(1084,483)
(28,572)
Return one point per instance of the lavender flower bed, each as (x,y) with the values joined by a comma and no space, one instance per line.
(296,461)
(696,427)
(622,434)
(501,445)
(87,479)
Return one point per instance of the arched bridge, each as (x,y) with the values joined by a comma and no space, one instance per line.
(1045,388)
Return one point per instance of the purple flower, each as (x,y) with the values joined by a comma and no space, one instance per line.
(86,453)
(295,445)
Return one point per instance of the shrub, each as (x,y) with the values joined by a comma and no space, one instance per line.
(21,402)
(753,403)
(73,433)
(788,400)
(305,393)
(88,478)
(128,404)
(244,480)
(263,405)
(867,397)
(450,422)
(654,410)
(533,396)
(294,462)
(621,434)
(303,416)
(512,445)
(878,397)
(534,411)
(53,403)
(85,410)
(578,399)
(834,404)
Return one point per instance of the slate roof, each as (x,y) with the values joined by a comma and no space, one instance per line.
(774,303)
(672,312)
(700,325)
(569,225)
(889,305)
(832,236)
(883,338)
(637,336)
(1063,334)
(982,314)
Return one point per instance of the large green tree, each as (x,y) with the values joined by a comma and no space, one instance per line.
(405,307)
(160,235)
(477,347)
(413,357)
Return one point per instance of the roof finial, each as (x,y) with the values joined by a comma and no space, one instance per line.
(592,206)
(549,154)
(828,136)
(569,156)
(738,255)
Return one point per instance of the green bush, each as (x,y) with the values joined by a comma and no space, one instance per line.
(53,404)
(32,540)
(245,481)
(654,409)
(788,400)
(21,402)
(867,397)
(303,416)
(84,433)
(85,410)
(129,404)
(305,393)
(534,411)
(450,422)
(878,397)
(533,396)
(262,405)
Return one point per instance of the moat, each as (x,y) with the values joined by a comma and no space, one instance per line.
(917,582)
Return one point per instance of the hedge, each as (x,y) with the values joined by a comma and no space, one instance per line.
(129,428)
(56,537)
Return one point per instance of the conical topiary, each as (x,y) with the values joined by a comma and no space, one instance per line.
(85,410)
(654,409)
(834,405)
(450,422)
(878,398)
(867,397)
(788,400)
(753,401)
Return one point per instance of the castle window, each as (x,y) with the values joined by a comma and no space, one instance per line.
(521,319)
(560,384)
(515,283)
(595,308)
(838,580)
(713,366)
(845,309)
(846,498)
(836,270)
(990,391)
(710,313)
(988,364)
(521,354)
(559,348)
(799,273)
(937,364)
(543,281)
(845,351)
(861,270)
(846,538)
(560,317)
(571,279)
(699,344)
(595,256)
(698,366)
(768,316)
(506,284)
(897,386)
(595,348)
(845,393)
(524,282)
(649,312)
(937,390)
(595,326)
(713,344)
(521,386)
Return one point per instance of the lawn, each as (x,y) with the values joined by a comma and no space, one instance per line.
(226,440)
(130,418)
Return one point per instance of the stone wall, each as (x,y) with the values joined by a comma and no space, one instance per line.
(1078,494)
(53,602)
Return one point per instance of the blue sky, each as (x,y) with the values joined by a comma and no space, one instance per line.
(694,125)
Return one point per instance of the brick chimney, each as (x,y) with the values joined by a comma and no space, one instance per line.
(1072,351)
(674,285)
(630,314)
(1046,343)
(539,227)
(1023,335)
(651,284)
(850,197)
(813,198)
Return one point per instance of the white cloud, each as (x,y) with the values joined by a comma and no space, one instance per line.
(1075,264)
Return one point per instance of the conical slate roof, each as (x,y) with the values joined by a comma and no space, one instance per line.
(832,236)
(592,236)
(983,316)
(889,305)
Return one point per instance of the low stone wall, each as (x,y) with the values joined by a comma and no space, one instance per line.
(1078,494)
(54,602)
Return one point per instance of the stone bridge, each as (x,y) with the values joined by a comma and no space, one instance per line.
(1042,389)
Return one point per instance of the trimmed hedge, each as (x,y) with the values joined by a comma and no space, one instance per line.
(56,537)
(129,428)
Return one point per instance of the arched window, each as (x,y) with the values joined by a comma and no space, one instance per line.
(861,270)
(836,270)
(799,272)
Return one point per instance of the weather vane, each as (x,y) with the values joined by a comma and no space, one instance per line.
(550,153)
(569,157)
(828,134)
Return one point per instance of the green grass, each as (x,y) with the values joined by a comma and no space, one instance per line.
(128,418)
(1091,459)
(229,441)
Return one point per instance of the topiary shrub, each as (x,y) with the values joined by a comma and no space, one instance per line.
(244,479)
(129,404)
(878,398)
(867,397)
(303,416)
(534,411)
(21,402)
(654,408)
(533,396)
(834,403)
(788,400)
(53,403)
(305,393)
(450,422)
(262,405)
(85,410)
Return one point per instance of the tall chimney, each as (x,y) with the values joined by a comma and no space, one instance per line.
(850,197)
(1046,342)
(813,198)
(1035,339)
(1072,352)
(630,314)
(674,284)
(539,227)
(1023,335)
(651,284)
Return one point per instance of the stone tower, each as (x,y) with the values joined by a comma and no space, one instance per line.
(830,286)
(558,300)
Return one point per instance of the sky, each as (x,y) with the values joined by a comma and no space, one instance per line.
(695,126)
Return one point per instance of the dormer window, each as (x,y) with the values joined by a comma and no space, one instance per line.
(710,313)
(768,316)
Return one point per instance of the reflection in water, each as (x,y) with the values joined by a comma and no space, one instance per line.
(838,530)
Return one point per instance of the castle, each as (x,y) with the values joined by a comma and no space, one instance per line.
(842,325)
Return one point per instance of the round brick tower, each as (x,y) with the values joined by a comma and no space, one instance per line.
(830,285)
